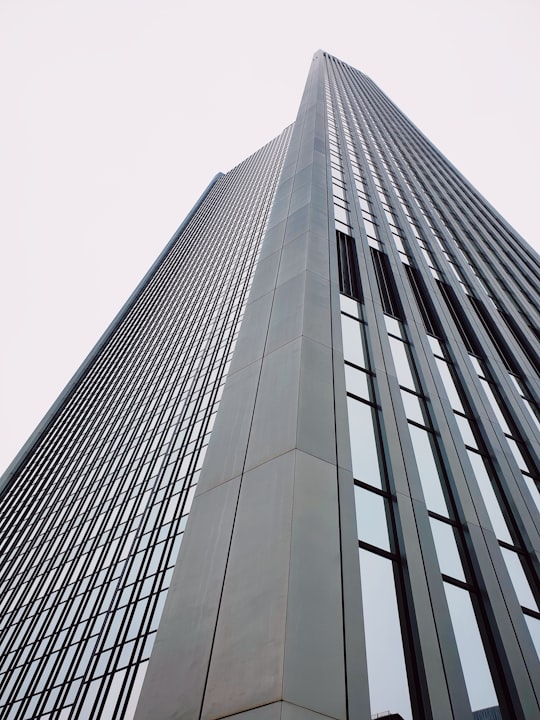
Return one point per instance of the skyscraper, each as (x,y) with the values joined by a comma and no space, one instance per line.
(346,333)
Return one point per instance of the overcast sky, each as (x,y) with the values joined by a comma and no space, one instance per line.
(116,114)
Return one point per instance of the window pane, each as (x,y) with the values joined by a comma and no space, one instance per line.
(516,452)
(392,325)
(534,628)
(533,489)
(466,431)
(495,407)
(470,648)
(435,345)
(371,518)
(449,385)
(490,498)
(353,349)
(401,363)
(348,305)
(427,469)
(356,382)
(447,549)
(365,461)
(413,407)
(387,677)
(519,579)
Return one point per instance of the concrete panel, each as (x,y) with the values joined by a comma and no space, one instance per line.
(318,261)
(252,335)
(316,432)
(314,655)
(293,259)
(174,684)
(227,448)
(246,669)
(295,712)
(273,238)
(301,195)
(304,178)
(287,313)
(316,323)
(274,422)
(265,712)
(297,224)
(265,276)
(281,206)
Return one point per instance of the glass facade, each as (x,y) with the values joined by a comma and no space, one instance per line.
(93,520)
(428,364)
(372,482)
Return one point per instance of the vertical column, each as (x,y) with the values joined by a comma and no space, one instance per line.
(254,614)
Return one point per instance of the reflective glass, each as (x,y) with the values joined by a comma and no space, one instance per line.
(534,628)
(428,471)
(371,518)
(466,431)
(357,382)
(365,461)
(447,549)
(348,305)
(353,349)
(449,385)
(435,345)
(516,452)
(402,363)
(490,498)
(533,489)
(413,407)
(495,407)
(341,214)
(387,676)
(519,579)
(476,365)
(470,648)
(530,410)
(393,325)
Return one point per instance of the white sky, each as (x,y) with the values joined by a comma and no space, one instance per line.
(116,114)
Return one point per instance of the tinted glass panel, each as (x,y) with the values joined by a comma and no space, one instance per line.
(413,407)
(519,579)
(490,498)
(387,677)
(348,305)
(466,431)
(371,518)
(495,407)
(402,364)
(449,385)
(533,489)
(365,461)
(471,650)
(353,349)
(427,469)
(516,452)
(534,628)
(357,382)
(447,549)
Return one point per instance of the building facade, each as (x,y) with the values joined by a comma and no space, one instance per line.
(346,333)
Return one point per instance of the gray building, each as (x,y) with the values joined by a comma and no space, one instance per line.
(332,371)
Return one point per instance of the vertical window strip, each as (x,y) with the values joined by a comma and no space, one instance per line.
(387,286)
(349,275)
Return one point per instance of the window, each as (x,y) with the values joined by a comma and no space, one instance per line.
(349,276)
